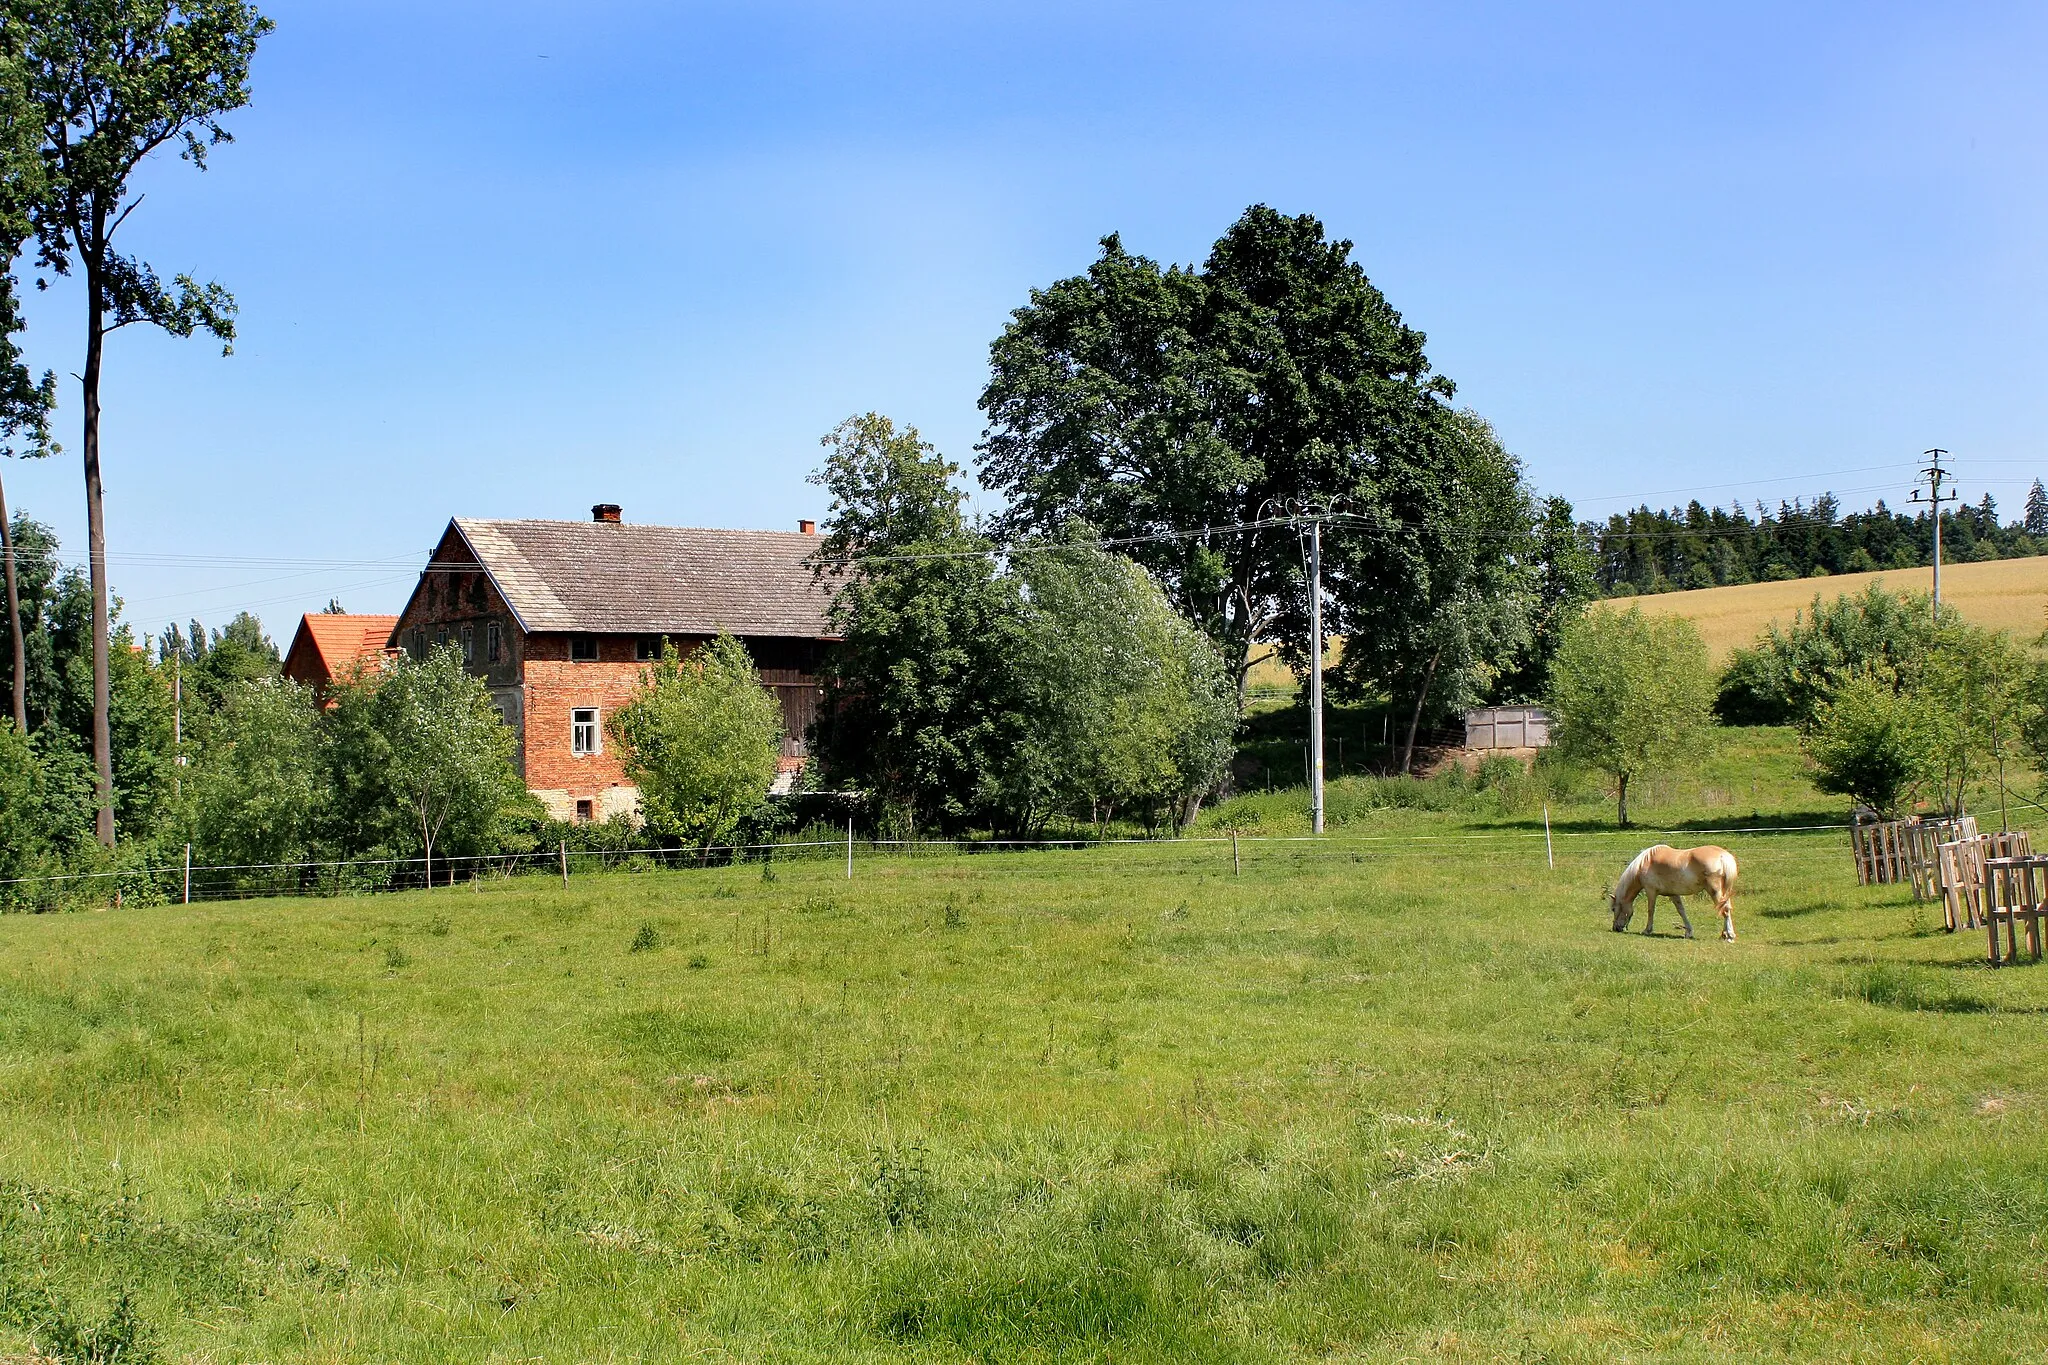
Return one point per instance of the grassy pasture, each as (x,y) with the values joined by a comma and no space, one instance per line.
(1398,1096)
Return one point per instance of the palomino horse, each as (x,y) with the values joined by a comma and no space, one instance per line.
(1677,872)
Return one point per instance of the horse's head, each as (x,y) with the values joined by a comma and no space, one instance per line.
(1624,910)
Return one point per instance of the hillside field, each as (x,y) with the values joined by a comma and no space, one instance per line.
(2000,594)
(1396,1095)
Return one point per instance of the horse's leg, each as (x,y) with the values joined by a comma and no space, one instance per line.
(1683,918)
(1650,917)
(1727,909)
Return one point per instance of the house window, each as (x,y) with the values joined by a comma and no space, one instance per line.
(582,812)
(419,643)
(647,648)
(468,644)
(441,638)
(583,734)
(583,649)
(494,645)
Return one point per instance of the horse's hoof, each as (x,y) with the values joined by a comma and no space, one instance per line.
(1688,933)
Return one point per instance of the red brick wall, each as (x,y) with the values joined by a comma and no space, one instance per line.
(554,688)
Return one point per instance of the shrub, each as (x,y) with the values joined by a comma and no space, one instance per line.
(700,738)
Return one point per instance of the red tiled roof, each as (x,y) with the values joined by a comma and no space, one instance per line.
(334,644)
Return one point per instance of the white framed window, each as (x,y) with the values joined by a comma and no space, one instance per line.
(494,643)
(584,735)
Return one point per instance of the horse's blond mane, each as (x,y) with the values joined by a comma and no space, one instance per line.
(1634,869)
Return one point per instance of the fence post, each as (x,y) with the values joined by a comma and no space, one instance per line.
(1236,863)
(188,874)
(1549,853)
(849,849)
(565,862)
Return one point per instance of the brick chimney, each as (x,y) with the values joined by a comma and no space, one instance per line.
(807,526)
(605,511)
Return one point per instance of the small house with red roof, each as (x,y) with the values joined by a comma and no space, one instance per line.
(330,645)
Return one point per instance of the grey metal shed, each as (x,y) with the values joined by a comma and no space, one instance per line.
(1507,727)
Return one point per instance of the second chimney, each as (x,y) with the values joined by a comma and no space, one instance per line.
(807,526)
(605,511)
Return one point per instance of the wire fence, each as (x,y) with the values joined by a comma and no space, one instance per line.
(185,882)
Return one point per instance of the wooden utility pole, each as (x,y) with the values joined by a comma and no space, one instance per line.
(1936,476)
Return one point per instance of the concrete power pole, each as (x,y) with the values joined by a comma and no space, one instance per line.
(1315,671)
(1936,476)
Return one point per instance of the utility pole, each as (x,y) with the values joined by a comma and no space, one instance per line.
(1936,476)
(1315,671)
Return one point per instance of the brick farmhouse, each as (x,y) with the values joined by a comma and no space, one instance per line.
(561,618)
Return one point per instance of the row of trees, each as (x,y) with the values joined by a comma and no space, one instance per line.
(1646,551)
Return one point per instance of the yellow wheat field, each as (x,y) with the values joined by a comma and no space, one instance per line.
(2002,594)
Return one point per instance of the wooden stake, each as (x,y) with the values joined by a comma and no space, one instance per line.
(849,850)
(1236,862)
(1549,853)
(565,862)
(188,874)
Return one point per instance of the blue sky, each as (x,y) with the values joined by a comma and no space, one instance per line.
(512,259)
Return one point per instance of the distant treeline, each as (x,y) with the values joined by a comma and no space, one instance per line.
(1695,546)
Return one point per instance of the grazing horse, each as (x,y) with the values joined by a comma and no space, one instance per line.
(1676,873)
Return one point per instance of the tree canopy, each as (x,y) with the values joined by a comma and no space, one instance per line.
(1128,708)
(1158,404)
(914,707)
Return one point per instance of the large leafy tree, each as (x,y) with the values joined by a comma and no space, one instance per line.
(1127,708)
(110,82)
(1161,404)
(1630,693)
(915,708)
(700,738)
(1434,620)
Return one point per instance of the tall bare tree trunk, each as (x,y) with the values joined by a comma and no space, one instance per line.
(1415,716)
(14,621)
(96,545)
(1622,799)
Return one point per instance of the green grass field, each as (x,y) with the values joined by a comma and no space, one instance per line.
(1396,1096)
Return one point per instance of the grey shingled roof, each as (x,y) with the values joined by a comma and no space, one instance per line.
(611,577)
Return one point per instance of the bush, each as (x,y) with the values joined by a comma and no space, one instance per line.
(700,739)
(1784,677)
(1871,743)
